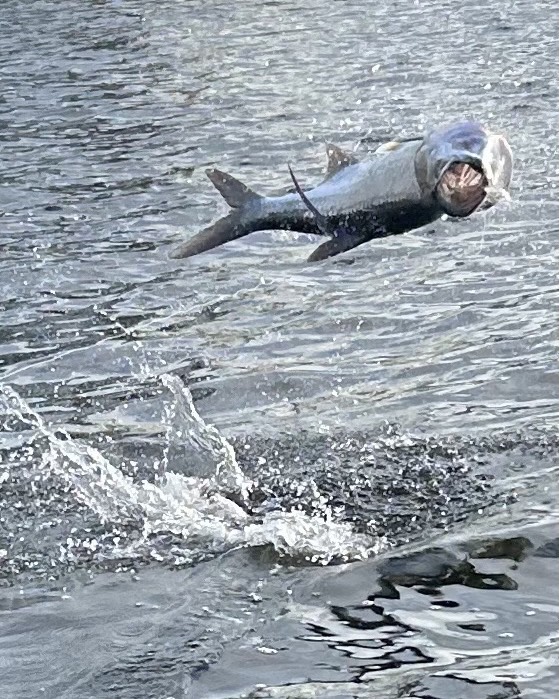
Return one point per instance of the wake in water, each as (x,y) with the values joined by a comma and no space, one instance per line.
(176,519)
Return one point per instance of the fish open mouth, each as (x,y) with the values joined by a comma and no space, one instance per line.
(461,189)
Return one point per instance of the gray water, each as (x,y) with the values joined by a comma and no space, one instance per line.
(241,475)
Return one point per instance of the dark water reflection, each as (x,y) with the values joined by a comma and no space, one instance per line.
(418,633)
(109,113)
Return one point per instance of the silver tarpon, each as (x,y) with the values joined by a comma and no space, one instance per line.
(457,171)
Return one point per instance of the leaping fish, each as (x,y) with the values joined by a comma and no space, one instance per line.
(456,170)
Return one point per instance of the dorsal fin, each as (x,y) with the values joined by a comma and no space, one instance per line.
(338,159)
(235,193)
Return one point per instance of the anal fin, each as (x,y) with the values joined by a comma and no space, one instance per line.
(337,245)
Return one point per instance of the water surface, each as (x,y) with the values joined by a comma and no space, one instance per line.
(241,475)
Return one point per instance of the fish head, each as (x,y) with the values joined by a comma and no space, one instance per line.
(465,168)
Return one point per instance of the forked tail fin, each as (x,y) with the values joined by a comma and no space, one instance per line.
(231,227)
(235,192)
(222,231)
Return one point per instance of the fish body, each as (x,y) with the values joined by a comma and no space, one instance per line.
(403,186)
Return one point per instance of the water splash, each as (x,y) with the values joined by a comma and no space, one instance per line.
(314,538)
(190,507)
(97,483)
(178,518)
(494,195)
(185,424)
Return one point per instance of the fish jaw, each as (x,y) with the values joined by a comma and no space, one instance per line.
(466,167)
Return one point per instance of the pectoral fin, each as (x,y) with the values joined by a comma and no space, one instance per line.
(321,220)
(339,234)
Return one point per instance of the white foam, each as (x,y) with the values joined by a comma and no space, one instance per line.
(192,508)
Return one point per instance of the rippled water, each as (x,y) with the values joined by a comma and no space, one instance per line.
(241,475)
